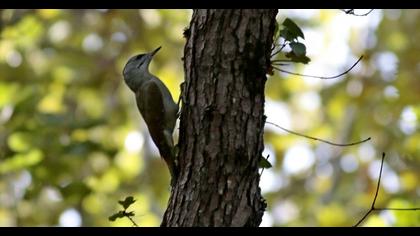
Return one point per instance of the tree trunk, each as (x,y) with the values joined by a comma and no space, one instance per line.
(227,55)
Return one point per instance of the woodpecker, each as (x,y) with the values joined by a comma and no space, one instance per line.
(155,104)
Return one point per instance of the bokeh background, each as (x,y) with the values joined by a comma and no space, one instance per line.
(72,142)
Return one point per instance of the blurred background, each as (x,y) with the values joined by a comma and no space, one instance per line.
(72,142)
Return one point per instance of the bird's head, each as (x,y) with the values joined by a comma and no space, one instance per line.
(136,70)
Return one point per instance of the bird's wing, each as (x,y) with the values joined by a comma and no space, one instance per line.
(154,115)
(154,112)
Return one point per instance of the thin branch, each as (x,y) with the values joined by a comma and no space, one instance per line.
(379,181)
(363,218)
(372,207)
(281,62)
(132,221)
(318,139)
(275,42)
(279,50)
(351,12)
(274,61)
(398,209)
(321,77)
(365,13)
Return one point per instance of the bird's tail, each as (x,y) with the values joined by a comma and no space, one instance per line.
(167,152)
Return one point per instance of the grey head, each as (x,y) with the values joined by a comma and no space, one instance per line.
(136,71)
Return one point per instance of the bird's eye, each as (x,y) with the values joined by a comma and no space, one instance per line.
(141,63)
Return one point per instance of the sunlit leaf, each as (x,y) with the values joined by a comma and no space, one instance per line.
(21,161)
(19,141)
(7,93)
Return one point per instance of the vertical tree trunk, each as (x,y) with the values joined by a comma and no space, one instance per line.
(221,131)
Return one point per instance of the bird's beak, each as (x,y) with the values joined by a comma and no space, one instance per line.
(148,57)
(155,51)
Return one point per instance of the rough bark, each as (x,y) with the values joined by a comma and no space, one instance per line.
(222,119)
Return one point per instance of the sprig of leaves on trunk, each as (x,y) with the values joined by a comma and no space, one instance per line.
(291,33)
(126,203)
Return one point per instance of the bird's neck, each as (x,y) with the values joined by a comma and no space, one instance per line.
(136,81)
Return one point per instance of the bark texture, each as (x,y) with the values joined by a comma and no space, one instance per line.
(222,119)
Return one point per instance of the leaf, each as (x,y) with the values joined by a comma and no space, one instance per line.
(129,214)
(298,48)
(300,59)
(287,35)
(120,214)
(127,202)
(293,28)
(264,163)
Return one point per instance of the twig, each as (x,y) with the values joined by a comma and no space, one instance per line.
(275,42)
(318,139)
(279,50)
(321,77)
(280,62)
(379,181)
(275,61)
(361,220)
(364,14)
(351,12)
(132,221)
(398,209)
(373,208)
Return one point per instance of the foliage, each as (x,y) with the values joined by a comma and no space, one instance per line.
(377,99)
(127,202)
(264,163)
(71,137)
(290,34)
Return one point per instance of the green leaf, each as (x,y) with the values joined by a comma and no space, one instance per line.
(264,163)
(127,202)
(21,161)
(298,48)
(300,59)
(131,213)
(293,28)
(287,35)
(115,216)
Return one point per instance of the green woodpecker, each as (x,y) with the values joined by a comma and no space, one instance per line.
(155,104)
